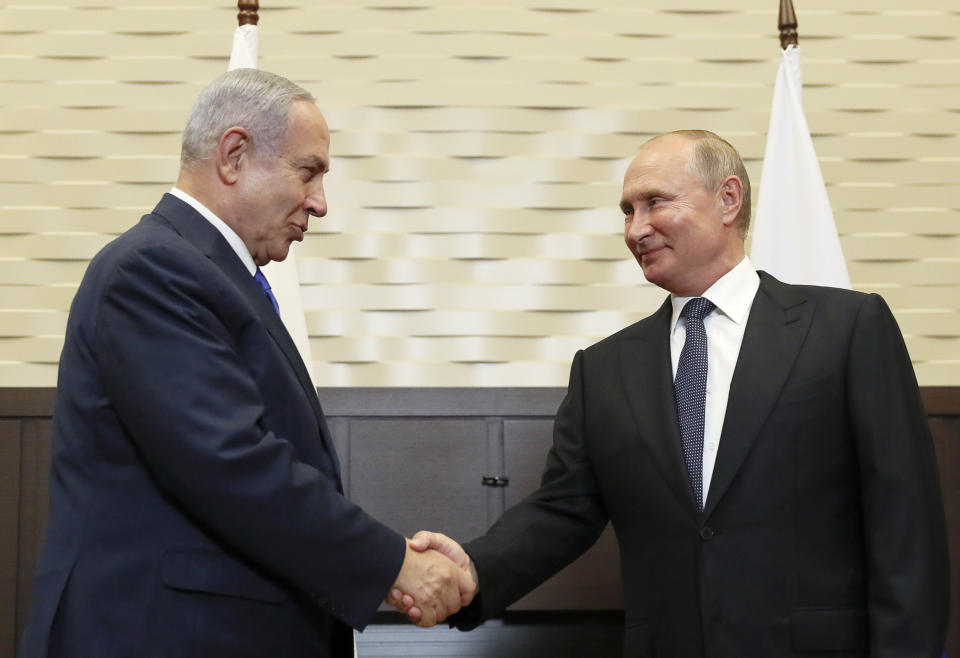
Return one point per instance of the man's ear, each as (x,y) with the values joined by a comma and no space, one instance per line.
(232,152)
(730,199)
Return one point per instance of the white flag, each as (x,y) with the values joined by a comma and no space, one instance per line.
(282,276)
(246,40)
(795,238)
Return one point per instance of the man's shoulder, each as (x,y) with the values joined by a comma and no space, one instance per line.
(150,244)
(151,233)
(789,294)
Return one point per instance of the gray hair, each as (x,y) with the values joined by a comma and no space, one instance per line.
(713,160)
(255,100)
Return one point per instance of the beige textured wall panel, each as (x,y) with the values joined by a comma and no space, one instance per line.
(39,271)
(904,171)
(106,93)
(69,143)
(45,349)
(466,323)
(55,298)
(903,247)
(139,169)
(515,271)
(32,323)
(908,219)
(471,296)
(87,193)
(473,236)
(39,219)
(53,246)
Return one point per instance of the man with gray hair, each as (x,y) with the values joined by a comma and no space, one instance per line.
(195,499)
(760,449)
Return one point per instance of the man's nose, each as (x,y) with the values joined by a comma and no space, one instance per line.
(637,228)
(316,202)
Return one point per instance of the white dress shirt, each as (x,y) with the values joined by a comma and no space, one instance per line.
(232,238)
(733,295)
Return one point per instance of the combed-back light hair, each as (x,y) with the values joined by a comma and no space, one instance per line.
(712,160)
(256,100)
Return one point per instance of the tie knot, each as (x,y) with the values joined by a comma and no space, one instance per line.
(697,308)
(261,279)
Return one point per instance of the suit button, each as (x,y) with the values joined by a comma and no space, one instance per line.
(706,532)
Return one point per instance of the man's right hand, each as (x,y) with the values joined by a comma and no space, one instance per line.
(431,585)
(435,542)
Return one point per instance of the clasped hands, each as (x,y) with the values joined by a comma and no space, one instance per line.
(436,580)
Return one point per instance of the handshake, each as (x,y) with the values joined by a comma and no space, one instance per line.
(436,580)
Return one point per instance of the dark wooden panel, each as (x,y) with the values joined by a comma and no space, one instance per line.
(941,400)
(946,437)
(34,478)
(10,431)
(421,474)
(27,402)
(592,582)
(440,401)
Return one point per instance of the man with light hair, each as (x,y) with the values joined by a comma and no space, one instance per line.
(196,506)
(760,448)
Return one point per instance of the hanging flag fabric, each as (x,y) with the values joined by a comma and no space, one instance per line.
(246,42)
(283,277)
(794,237)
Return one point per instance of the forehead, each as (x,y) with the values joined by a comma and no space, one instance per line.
(308,136)
(668,155)
(661,165)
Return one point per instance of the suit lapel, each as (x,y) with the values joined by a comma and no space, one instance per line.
(199,232)
(648,381)
(778,323)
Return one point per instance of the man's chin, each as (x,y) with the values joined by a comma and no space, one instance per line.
(653,275)
(280,255)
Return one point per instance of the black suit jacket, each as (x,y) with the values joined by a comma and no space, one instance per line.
(823,529)
(195,498)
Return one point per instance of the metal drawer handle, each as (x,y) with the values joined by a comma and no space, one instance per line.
(494,481)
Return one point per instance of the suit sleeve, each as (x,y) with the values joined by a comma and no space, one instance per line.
(905,535)
(547,530)
(177,382)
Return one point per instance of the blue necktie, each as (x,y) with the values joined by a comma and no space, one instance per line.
(262,280)
(690,391)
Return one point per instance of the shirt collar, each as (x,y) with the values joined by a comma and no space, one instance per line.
(732,293)
(228,233)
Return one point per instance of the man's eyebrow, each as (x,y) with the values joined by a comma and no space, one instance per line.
(315,162)
(645,194)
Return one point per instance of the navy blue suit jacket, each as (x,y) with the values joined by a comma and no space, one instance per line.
(823,530)
(195,500)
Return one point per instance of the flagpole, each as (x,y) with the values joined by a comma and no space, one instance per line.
(787,23)
(248,12)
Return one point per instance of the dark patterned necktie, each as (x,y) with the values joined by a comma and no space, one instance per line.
(262,280)
(690,391)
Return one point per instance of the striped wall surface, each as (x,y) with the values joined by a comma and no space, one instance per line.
(473,237)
